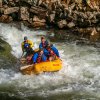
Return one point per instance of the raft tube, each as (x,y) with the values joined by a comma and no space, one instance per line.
(48,66)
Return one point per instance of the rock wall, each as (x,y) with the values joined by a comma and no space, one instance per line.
(61,14)
(58,13)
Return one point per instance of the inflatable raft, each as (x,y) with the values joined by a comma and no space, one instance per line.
(49,66)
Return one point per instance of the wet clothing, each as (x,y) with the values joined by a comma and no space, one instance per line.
(55,50)
(37,58)
(29,59)
(27,47)
(29,51)
(28,42)
(51,56)
(51,52)
(43,46)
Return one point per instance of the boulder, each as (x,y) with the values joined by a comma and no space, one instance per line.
(5,18)
(24,13)
(39,2)
(0,3)
(70,25)
(62,23)
(30,2)
(5,6)
(11,3)
(11,10)
(38,24)
(94,35)
(36,19)
(38,11)
(93,4)
(51,17)
(1,10)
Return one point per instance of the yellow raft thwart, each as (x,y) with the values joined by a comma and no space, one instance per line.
(49,66)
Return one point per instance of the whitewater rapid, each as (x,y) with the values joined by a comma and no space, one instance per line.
(80,72)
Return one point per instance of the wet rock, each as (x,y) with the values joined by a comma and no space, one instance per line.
(5,1)
(38,11)
(36,19)
(98,16)
(93,4)
(38,24)
(24,13)
(28,1)
(5,6)
(71,25)
(62,13)
(52,17)
(44,4)
(0,3)
(5,18)
(2,10)
(11,3)
(94,35)
(39,2)
(62,24)
(6,58)
(26,23)
(11,10)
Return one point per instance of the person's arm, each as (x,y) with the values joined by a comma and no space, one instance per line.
(22,46)
(30,43)
(40,46)
(55,51)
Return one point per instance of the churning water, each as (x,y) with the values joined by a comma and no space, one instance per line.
(79,78)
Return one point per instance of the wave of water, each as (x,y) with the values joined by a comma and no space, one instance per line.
(79,77)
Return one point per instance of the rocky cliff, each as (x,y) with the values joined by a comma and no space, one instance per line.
(62,14)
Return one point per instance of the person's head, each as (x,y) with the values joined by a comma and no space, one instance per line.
(25,38)
(43,39)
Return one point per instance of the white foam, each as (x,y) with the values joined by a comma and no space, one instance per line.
(81,65)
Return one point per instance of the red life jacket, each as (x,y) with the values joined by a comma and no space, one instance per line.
(29,59)
(51,53)
(39,58)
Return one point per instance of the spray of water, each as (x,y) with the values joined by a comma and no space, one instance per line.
(80,71)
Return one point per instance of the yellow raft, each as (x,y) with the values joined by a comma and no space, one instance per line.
(49,66)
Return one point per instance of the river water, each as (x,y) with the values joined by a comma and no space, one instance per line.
(79,78)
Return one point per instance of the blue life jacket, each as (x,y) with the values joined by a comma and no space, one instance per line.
(41,45)
(55,50)
(26,45)
(35,57)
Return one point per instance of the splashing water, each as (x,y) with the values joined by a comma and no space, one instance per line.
(79,78)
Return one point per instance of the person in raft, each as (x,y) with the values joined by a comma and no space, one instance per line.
(39,57)
(43,45)
(52,51)
(27,47)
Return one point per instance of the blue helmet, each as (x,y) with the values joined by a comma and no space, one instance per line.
(26,45)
